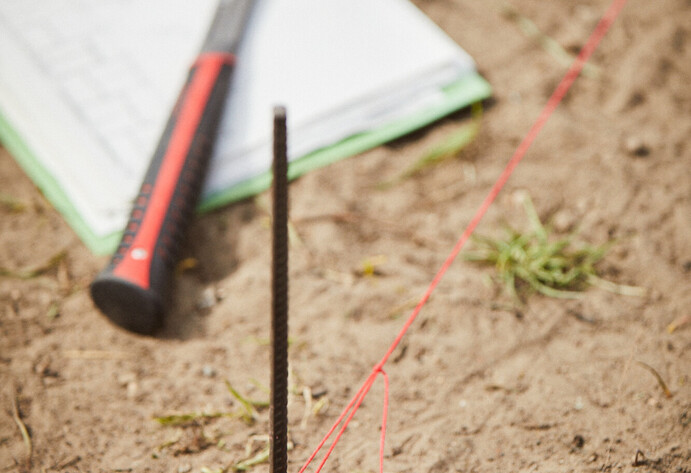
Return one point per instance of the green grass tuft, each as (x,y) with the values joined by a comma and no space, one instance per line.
(534,261)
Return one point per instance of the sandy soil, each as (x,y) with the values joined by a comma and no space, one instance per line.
(476,386)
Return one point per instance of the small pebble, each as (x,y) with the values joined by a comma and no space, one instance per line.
(221,293)
(578,441)
(579,405)
(635,146)
(132,389)
(184,468)
(563,221)
(586,14)
(515,97)
(49,381)
(207,299)
(583,205)
(126,378)
(208,371)
(42,366)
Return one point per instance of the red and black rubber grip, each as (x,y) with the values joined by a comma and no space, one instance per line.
(135,288)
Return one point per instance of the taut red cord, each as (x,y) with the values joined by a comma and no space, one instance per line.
(556,98)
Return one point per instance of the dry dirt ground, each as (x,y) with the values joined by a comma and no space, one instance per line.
(476,386)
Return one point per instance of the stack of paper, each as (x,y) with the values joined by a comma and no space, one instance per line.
(86,88)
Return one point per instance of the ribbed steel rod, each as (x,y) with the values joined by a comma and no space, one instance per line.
(279,299)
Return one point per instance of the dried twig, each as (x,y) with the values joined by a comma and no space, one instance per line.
(181,419)
(22,428)
(448,148)
(30,273)
(97,354)
(258,459)
(249,411)
(11,203)
(547,43)
(659,379)
(678,323)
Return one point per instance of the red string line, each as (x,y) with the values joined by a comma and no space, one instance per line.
(385,412)
(364,388)
(355,404)
(555,99)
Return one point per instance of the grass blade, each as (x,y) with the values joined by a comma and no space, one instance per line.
(447,148)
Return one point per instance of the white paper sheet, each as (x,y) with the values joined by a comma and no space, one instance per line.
(88,85)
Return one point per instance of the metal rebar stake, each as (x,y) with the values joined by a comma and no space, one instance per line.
(279,300)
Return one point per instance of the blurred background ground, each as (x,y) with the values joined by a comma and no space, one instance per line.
(477,385)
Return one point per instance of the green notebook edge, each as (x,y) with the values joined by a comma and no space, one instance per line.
(469,89)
